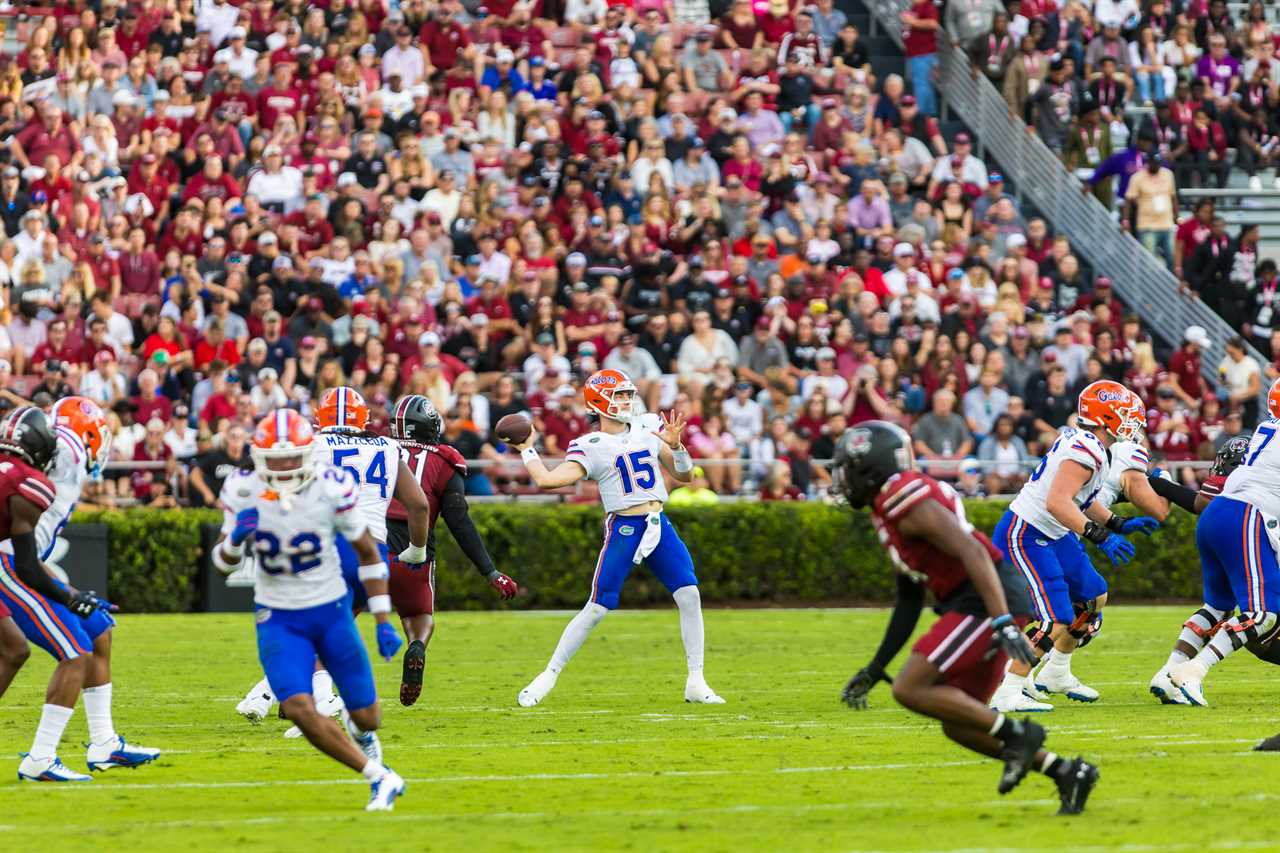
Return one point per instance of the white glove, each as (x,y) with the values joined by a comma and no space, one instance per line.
(414,555)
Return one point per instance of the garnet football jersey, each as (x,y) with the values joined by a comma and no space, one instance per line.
(433,466)
(19,478)
(918,559)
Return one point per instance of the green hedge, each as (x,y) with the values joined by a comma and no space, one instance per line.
(799,553)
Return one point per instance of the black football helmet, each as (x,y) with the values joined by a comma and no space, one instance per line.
(26,433)
(416,419)
(1231,454)
(866,456)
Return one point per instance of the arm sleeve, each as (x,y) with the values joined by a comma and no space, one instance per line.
(906,613)
(1175,493)
(453,509)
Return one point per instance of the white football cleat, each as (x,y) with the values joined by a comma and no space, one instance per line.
(1052,681)
(331,706)
(383,792)
(48,770)
(255,706)
(118,753)
(1188,677)
(1162,687)
(1010,699)
(1032,692)
(537,689)
(697,690)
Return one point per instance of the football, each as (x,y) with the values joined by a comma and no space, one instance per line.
(513,429)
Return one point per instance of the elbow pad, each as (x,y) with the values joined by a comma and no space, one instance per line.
(1174,493)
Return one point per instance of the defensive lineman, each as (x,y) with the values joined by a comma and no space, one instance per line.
(954,667)
(623,458)
(375,464)
(294,506)
(1035,534)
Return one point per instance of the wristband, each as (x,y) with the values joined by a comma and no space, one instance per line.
(528,455)
(1116,523)
(379,604)
(373,572)
(1002,620)
(226,558)
(1095,532)
(681,461)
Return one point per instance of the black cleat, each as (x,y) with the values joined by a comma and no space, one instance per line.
(415,659)
(1075,783)
(1019,754)
(1271,744)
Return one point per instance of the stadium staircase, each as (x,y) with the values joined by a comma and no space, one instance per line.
(1041,183)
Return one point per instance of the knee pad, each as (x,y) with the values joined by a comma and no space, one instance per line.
(1257,627)
(1205,621)
(1088,621)
(1040,636)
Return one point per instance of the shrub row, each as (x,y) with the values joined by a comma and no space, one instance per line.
(778,553)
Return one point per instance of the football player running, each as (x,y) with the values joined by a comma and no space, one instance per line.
(623,458)
(48,613)
(295,504)
(375,464)
(1036,534)
(83,444)
(439,469)
(1238,560)
(955,666)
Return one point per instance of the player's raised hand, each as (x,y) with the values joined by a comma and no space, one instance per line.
(673,424)
(506,587)
(246,524)
(855,692)
(528,442)
(389,641)
(1014,642)
(1118,549)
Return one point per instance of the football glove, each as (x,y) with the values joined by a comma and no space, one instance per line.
(389,641)
(1125,526)
(1118,549)
(414,555)
(506,587)
(84,602)
(246,524)
(855,692)
(1005,634)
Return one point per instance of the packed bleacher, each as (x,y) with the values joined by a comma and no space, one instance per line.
(215,210)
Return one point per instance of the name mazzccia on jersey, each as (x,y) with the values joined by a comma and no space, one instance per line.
(334,439)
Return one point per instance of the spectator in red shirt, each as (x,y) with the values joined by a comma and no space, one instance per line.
(777,485)
(563,422)
(1184,365)
(213,182)
(1174,431)
(215,347)
(221,404)
(48,134)
(56,347)
(921,48)
(150,403)
(154,486)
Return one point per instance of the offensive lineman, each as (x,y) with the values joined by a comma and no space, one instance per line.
(1035,534)
(294,506)
(623,458)
(955,666)
(439,468)
(381,476)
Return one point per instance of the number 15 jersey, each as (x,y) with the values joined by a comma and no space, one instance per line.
(625,465)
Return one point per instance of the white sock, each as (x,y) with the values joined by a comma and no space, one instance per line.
(321,685)
(1058,661)
(373,771)
(1217,649)
(53,722)
(1012,679)
(1175,657)
(689,600)
(97,709)
(352,729)
(575,634)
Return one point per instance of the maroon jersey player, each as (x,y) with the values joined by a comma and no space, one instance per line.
(417,426)
(955,667)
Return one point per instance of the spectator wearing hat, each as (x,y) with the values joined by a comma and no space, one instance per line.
(1054,104)
(1186,379)
(104,384)
(181,438)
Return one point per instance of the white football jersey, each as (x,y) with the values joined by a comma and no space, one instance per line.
(1125,456)
(1077,446)
(374,460)
(1257,480)
(296,562)
(69,473)
(625,466)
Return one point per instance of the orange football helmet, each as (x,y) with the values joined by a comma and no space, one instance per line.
(1273,399)
(84,418)
(1136,419)
(1108,405)
(601,394)
(282,451)
(342,408)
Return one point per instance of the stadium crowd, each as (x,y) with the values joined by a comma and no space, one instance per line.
(212,210)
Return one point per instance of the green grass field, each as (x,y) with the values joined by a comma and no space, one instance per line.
(615,760)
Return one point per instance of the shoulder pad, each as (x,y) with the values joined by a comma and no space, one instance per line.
(450,454)
(1129,455)
(902,491)
(338,486)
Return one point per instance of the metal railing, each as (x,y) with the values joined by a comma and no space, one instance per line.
(1140,280)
